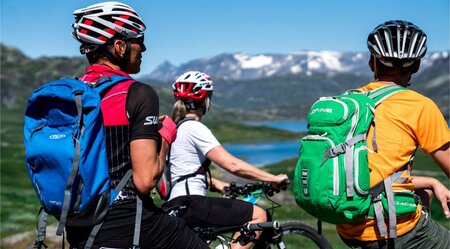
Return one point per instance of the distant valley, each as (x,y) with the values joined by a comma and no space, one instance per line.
(284,86)
(247,87)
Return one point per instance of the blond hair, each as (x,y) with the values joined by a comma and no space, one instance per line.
(178,111)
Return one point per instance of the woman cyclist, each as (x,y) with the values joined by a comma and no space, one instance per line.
(194,147)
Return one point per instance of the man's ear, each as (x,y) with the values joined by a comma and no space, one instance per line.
(119,48)
(372,63)
(415,67)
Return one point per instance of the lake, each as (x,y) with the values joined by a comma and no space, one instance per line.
(260,154)
(294,126)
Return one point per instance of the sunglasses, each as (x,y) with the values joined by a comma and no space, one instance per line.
(138,40)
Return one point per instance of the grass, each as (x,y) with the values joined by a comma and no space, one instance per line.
(19,204)
(423,162)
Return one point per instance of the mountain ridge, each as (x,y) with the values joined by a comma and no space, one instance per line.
(257,94)
(240,66)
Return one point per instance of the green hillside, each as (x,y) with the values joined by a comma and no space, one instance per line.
(16,190)
(275,98)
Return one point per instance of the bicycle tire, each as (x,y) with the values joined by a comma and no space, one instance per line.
(305,236)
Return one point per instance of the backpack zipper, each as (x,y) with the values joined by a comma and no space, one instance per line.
(42,125)
(356,170)
(354,118)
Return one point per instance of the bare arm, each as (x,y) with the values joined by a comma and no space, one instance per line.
(220,156)
(146,163)
(442,158)
(440,191)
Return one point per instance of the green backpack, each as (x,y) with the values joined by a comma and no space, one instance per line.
(332,180)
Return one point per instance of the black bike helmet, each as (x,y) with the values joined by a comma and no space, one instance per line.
(397,42)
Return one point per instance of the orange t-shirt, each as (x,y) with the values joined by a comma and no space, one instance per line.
(404,121)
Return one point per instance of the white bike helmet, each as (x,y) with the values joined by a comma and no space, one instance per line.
(193,85)
(399,41)
(95,25)
(194,89)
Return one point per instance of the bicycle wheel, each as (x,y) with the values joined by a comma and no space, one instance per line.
(296,234)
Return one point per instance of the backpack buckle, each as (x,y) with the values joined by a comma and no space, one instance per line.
(377,198)
(338,149)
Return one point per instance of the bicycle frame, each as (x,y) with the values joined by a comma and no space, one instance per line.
(273,233)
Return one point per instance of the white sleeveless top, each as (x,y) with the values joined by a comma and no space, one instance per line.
(188,152)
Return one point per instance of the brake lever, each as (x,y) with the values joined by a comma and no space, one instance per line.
(284,184)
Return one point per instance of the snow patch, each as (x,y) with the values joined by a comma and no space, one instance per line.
(257,61)
(314,64)
(271,72)
(358,57)
(296,69)
(331,60)
(439,55)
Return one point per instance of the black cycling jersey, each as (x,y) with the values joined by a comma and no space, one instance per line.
(142,102)
(139,120)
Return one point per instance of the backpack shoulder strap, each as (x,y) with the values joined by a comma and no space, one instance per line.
(380,94)
(184,120)
(170,148)
(178,125)
(106,82)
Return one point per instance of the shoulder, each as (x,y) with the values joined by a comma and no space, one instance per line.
(411,107)
(196,129)
(415,97)
(194,125)
(139,86)
(141,92)
(408,105)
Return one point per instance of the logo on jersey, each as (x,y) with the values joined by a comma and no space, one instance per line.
(151,120)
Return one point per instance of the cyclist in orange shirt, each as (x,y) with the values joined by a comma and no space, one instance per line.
(404,121)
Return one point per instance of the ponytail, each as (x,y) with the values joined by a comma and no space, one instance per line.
(178,111)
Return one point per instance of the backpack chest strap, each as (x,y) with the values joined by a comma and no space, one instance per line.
(342,147)
(346,147)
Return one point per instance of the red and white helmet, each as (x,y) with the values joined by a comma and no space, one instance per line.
(97,24)
(193,86)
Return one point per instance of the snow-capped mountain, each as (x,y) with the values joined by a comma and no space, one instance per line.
(241,66)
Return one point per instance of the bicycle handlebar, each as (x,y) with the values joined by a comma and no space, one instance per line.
(263,225)
(234,190)
(211,232)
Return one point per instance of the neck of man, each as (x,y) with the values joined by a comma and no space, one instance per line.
(399,80)
(108,63)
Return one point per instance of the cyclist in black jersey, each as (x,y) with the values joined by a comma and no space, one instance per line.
(111,36)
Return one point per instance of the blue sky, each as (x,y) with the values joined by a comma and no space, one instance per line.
(182,30)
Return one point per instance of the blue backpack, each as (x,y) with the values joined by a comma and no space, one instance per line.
(66,153)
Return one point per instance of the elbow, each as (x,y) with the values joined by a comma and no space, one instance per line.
(143,186)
